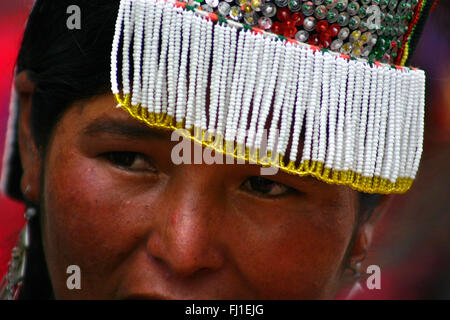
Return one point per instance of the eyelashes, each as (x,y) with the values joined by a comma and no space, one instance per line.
(266,188)
(130,161)
(136,162)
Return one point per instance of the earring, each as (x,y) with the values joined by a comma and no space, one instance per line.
(30,213)
(356,269)
(12,282)
(356,288)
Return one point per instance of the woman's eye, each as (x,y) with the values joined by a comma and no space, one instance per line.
(265,187)
(132,161)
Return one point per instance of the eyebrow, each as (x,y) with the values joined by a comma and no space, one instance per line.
(121,128)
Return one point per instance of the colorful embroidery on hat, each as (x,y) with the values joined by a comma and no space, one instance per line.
(341,119)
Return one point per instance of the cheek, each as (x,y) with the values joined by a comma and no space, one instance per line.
(299,257)
(89,221)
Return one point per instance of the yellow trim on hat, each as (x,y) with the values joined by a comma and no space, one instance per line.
(307,168)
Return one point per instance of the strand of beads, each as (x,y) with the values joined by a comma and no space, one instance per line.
(127,30)
(288,109)
(115,47)
(349,114)
(312,123)
(250,86)
(328,89)
(173,66)
(280,95)
(243,51)
(153,67)
(303,89)
(194,63)
(420,121)
(377,120)
(342,70)
(160,91)
(332,116)
(383,121)
(182,81)
(148,30)
(216,75)
(137,50)
(267,100)
(262,81)
(357,111)
(391,122)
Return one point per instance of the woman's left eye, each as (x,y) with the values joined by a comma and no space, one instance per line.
(131,161)
(265,187)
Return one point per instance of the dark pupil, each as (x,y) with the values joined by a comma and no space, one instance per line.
(261,185)
(125,159)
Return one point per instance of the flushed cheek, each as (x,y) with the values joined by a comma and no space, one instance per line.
(88,222)
(301,262)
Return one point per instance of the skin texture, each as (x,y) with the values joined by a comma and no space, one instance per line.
(159,230)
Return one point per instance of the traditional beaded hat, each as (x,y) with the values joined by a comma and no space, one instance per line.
(327,79)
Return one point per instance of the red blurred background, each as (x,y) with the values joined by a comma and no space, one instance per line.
(412,241)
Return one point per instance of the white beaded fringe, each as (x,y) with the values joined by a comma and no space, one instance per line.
(353,115)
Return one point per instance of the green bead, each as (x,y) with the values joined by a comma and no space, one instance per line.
(362,12)
(331,15)
(393,4)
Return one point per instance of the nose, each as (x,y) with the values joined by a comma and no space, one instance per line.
(185,235)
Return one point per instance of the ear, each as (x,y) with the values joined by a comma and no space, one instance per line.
(364,233)
(29,153)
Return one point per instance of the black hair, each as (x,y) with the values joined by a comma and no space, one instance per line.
(66,66)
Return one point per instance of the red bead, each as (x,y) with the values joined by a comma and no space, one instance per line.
(289,32)
(325,36)
(314,40)
(325,39)
(283,14)
(325,43)
(298,18)
(290,23)
(334,29)
(322,26)
(277,27)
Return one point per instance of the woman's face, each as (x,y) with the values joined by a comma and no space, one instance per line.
(139,226)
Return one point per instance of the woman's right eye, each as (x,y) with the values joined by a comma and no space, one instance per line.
(131,161)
